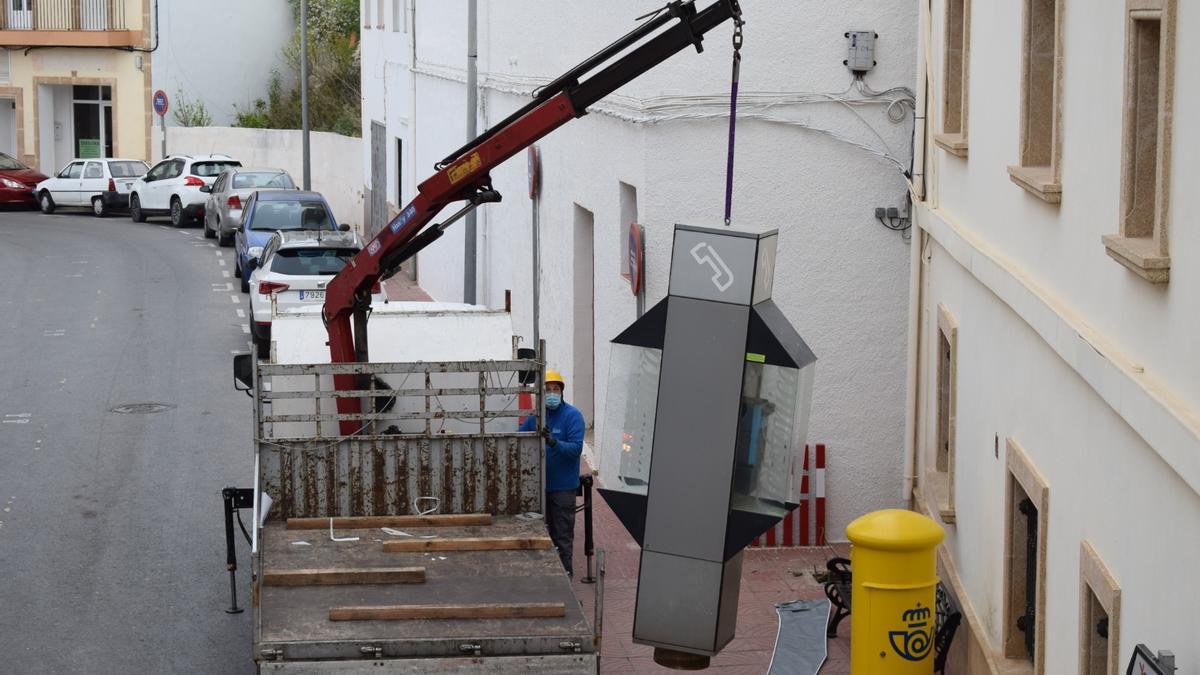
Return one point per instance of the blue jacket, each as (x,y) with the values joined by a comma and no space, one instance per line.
(562,461)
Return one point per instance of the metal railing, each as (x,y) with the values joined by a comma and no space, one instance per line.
(93,15)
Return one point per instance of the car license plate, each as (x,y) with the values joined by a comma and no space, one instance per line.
(312,296)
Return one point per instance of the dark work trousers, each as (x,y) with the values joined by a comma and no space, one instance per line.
(560,521)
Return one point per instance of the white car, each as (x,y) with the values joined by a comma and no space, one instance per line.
(99,184)
(292,272)
(172,188)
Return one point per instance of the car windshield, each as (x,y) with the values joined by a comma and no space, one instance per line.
(209,169)
(129,169)
(7,162)
(299,215)
(262,179)
(311,261)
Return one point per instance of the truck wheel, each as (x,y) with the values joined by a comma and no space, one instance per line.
(46,202)
(176,212)
(98,208)
(135,209)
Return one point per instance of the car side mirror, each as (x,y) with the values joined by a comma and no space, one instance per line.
(206,188)
(243,373)
(344,227)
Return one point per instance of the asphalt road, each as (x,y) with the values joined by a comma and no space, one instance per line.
(112,554)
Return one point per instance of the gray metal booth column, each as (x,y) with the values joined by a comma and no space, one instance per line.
(729,382)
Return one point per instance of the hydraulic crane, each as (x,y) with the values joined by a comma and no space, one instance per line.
(464,175)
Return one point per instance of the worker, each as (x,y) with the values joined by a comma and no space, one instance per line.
(563,431)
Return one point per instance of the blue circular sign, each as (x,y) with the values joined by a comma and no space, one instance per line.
(160,102)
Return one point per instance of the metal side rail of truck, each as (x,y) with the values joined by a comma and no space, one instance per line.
(415,545)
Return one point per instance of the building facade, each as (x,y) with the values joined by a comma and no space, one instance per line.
(1055,400)
(74,80)
(818,151)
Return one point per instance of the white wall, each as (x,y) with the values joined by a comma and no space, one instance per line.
(336,172)
(220,52)
(1093,370)
(841,277)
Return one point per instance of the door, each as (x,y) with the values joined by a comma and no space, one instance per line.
(93,14)
(8,127)
(159,191)
(65,189)
(93,182)
(378,215)
(20,14)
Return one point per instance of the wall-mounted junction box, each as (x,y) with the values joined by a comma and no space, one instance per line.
(860,48)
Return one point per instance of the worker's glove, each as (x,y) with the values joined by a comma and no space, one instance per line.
(549,438)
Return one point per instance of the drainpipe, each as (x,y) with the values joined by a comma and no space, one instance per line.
(912,375)
(412,108)
(304,91)
(469,253)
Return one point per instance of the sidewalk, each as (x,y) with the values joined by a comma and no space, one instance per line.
(402,288)
(768,576)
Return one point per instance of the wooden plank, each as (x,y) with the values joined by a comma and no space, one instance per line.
(529,610)
(469,544)
(345,576)
(352,522)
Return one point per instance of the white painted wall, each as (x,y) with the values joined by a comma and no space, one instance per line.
(841,277)
(220,52)
(1093,370)
(336,172)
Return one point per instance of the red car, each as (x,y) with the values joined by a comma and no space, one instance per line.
(17,182)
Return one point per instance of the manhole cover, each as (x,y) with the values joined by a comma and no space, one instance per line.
(141,408)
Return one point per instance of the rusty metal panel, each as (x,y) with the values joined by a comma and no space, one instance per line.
(383,475)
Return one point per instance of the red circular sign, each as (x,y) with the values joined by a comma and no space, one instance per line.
(636,255)
(161,102)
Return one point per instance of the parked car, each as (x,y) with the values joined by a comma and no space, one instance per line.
(17,182)
(269,211)
(172,188)
(99,184)
(296,265)
(223,208)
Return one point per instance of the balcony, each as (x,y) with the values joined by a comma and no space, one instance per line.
(67,23)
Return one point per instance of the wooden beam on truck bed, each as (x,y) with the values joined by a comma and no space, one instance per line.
(527,610)
(469,544)
(345,576)
(353,522)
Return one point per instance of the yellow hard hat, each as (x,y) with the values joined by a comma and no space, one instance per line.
(553,375)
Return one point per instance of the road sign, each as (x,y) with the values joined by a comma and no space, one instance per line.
(161,102)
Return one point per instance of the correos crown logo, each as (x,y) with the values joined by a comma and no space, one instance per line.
(916,639)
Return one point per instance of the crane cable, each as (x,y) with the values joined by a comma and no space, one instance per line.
(738,22)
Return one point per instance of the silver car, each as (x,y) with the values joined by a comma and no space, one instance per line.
(223,208)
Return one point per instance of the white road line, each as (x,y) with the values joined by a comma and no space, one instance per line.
(219,252)
(164,227)
(236,300)
(246,329)
(56,332)
(221,262)
(219,288)
(183,232)
(241,313)
(225,273)
(212,244)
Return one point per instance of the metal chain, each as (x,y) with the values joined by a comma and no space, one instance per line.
(733,93)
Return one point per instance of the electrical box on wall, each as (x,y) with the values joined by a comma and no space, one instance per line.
(860,48)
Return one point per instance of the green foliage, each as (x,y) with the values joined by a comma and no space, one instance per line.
(191,113)
(334,82)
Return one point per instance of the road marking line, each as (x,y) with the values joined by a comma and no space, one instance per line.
(74,276)
(221,262)
(182,232)
(218,288)
(246,329)
(225,273)
(56,332)
(212,244)
(219,252)
(235,299)
(164,227)
(241,313)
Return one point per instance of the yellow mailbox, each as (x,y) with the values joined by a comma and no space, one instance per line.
(892,619)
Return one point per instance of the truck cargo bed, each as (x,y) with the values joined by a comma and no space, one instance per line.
(299,615)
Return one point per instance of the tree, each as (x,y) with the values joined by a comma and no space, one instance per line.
(191,113)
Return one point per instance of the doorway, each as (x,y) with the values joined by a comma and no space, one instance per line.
(8,127)
(583,387)
(92,112)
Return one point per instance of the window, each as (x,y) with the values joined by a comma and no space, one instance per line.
(207,169)
(1099,615)
(1026,502)
(126,169)
(379,14)
(1041,86)
(282,215)
(73,170)
(366,14)
(953,138)
(941,478)
(311,261)
(262,179)
(1141,245)
(93,170)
